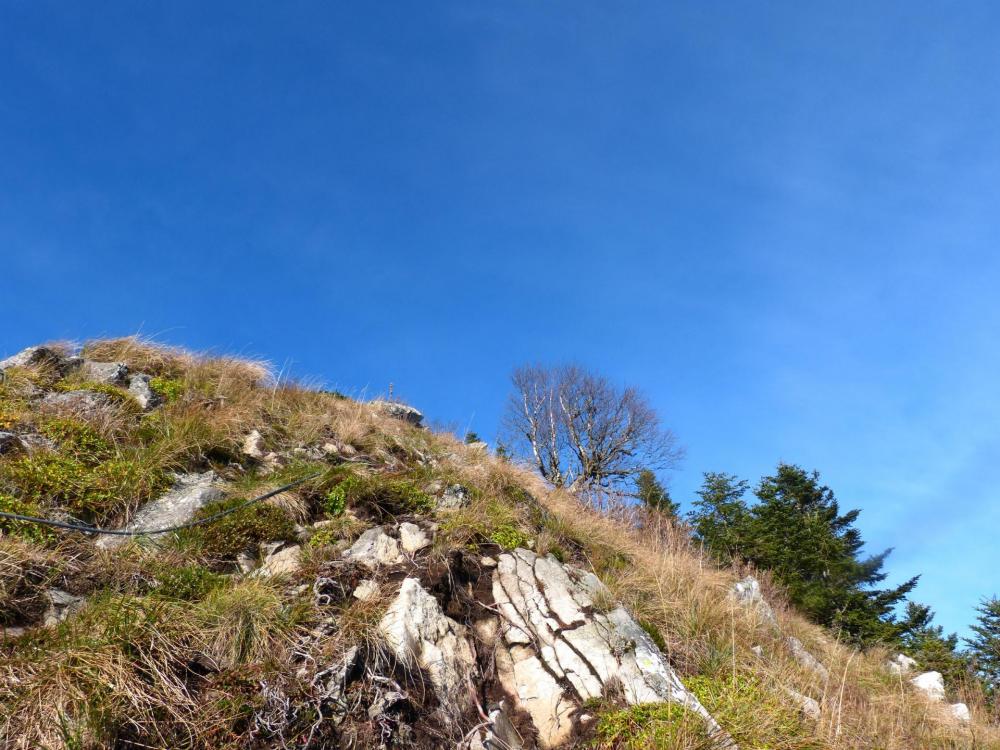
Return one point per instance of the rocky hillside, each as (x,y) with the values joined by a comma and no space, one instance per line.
(407,591)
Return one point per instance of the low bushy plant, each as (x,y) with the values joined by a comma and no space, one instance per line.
(241,531)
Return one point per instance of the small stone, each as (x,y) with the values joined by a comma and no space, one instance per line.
(10,633)
(110,373)
(283,562)
(366,590)
(9,443)
(142,391)
(253,445)
(454,497)
(808,706)
(412,538)
(61,605)
(757,651)
(487,562)
(246,562)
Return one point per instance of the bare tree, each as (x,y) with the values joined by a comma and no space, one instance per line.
(583,432)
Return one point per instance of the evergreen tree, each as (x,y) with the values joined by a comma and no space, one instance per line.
(928,644)
(720,516)
(653,494)
(984,647)
(472,437)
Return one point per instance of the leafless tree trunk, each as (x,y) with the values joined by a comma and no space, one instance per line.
(583,432)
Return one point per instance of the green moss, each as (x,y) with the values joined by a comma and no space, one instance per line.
(241,531)
(388,495)
(169,389)
(25,529)
(188,582)
(647,726)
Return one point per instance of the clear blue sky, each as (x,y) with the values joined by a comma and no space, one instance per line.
(779,219)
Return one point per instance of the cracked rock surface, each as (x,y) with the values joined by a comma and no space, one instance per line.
(559,649)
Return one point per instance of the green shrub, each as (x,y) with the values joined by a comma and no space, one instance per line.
(169,389)
(386,494)
(335,501)
(78,439)
(25,529)
(241,531)
(188,582)
(97,492)
(323,537)
(509,536)
(648,726)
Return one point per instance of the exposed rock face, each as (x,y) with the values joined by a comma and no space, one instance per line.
(34,355)
(400,411)
(901,664)
(931,684)
(139,387)
(412,538)
(373,549)
(419,633)
(253,445)
(190,493)
(558,650)
(9,442)
(81,402)
(111,373)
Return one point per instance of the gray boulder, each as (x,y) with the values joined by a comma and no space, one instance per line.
(35,355)
(901,664)
(110,373)
(61,605)
(373,549)
(399,411)
(9,443)
(190,493)
(83,402)
(455,496)
(931,684)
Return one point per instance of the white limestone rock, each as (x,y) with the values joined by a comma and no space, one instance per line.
(561,650)
(142,391)
(419,634)
(412,538)
(808,706)
(282,562)
(748,593)
(455,496)
(34,355)
(930,684)
(253,445)
(960,711)
(190,493)
(806,659)
(901,664)
(365,590)
(373,549)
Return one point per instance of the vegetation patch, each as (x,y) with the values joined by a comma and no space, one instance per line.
(241,531)
(32,532)
(187,582)
(650,726)
(169,389)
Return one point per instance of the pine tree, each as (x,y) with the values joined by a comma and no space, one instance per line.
(797,531)
(653,494)
(984,647)
(720,516)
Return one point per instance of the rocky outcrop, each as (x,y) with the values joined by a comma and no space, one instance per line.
(374,549)
(419,634)
(190,493)
(82,402)
(36,355)
(455,496)
(399,411)
(559,647)
(109,373)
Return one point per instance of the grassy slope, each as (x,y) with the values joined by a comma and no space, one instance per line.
(173,650)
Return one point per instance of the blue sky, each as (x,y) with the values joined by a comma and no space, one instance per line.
(778,219)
